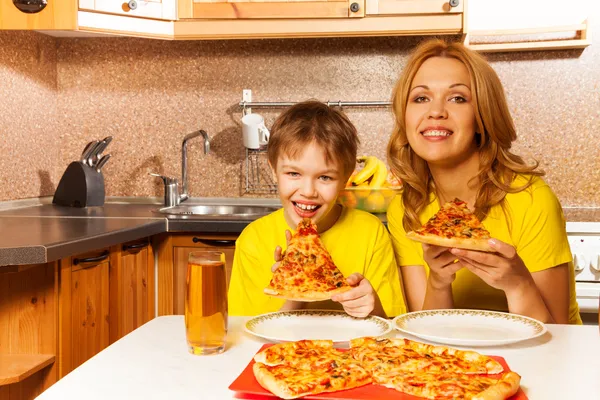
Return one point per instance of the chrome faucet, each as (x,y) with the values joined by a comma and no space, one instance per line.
(172,196)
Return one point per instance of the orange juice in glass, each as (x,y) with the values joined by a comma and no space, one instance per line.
(206,302)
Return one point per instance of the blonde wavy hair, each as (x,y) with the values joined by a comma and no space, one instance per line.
(498,165)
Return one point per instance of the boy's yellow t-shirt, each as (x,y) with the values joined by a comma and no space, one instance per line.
(357,242)
(534,224)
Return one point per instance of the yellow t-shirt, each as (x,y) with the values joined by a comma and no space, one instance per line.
(535,226)
(357,242)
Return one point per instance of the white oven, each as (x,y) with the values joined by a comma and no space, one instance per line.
(584,238)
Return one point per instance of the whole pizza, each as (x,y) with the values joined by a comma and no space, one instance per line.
(308,367)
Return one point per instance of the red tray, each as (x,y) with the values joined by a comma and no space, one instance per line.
(247,387)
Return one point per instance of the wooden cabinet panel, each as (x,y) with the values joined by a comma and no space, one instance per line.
(28,330)
(172,254)
(83,308)
(56,15)
(156,9)
(132,287)
(89,301)
(403,7)
(249,9)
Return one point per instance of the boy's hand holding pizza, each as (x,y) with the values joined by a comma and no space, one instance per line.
(359,301)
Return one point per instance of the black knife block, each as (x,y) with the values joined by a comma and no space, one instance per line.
(80,186)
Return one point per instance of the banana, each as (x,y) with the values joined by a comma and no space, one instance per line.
(380,175)
(368,170)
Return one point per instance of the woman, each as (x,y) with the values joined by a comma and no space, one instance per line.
(452,139)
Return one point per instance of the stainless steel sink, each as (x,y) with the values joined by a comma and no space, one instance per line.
(184,211)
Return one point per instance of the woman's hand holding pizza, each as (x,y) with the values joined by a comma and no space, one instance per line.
(359,301)
(503,270)
(443,265)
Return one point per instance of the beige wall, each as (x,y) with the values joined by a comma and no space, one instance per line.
(57,94)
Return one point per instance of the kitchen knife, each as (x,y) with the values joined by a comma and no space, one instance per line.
(101,162)
(85,156)
(95,155)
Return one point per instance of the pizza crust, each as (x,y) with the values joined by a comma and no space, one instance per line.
(307,296)
(266,379)
(503,389)
(459,243)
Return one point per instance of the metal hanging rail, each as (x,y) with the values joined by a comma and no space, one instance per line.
(281,104)
(247,104)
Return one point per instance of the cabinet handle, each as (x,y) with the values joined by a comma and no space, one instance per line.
(214,242)
(101,257)
(127,247)
(354,7)
(132,4)
(454,3)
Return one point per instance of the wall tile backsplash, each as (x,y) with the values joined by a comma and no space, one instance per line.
(56,94)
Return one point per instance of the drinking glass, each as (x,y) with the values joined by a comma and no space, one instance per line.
(206,302)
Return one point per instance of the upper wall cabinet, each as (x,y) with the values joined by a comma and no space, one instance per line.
(250,9)
(54,15)
(519,25)
(242,19)
(157,9)
(213,19)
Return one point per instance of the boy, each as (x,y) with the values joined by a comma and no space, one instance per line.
(312,152)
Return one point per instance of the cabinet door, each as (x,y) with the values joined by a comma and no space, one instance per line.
(182,248)
(403,7)
(247,9)
(56,15)
(89,307)
(132,287)
(155,9)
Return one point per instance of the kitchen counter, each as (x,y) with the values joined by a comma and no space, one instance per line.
(36,231)
(152,362)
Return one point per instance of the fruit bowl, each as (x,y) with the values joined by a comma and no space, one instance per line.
(371,199)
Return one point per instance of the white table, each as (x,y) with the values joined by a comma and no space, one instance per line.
(153,363)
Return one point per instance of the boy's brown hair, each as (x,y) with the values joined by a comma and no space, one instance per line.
(314,121)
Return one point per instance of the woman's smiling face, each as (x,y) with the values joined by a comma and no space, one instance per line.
(440,118)
(308,184)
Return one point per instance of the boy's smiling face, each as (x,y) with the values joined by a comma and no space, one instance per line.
(308,185)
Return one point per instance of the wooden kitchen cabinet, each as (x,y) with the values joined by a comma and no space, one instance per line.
(250,9)
(403,7)
(28,330)
(172,254)
(156,9)
(84,299)
(131,287)
(57,15)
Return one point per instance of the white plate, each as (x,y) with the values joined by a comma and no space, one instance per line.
(288,326)
(469,327)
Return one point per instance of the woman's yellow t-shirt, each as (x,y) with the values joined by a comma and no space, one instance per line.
(357,242)
(533,223)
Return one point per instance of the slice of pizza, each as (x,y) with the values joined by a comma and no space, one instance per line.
(389,357)
(288,382)
(307,367)
(455,386)
(454,225)
(307,271)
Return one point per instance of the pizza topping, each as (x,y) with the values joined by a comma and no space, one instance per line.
(307,271)
(454,225)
